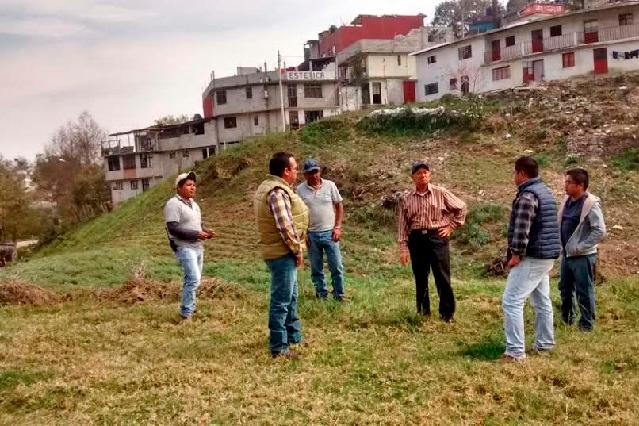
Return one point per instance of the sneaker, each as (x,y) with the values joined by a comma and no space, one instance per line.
(510,358)
(289,355)
(542,352)
(342,298)
(185,318)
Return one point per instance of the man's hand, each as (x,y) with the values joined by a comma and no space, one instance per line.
(445,231)
(299,259)
(211,233)
(203,235)
(404,257)
(514,261)
(337,233)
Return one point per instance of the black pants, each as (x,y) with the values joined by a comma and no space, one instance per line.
(430,251)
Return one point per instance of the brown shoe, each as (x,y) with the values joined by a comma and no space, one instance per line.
(290,355)
(509,358)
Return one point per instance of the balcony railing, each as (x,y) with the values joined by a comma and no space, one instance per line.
(565,41)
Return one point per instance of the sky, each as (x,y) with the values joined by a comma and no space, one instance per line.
(131,62)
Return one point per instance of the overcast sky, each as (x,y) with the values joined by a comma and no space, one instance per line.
(130,62)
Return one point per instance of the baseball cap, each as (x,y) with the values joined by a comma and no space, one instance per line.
(311,165)
(184,176)
(419,165)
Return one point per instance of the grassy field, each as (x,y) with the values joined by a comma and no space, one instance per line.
(90,359)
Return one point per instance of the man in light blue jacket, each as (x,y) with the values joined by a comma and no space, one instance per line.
(582,228)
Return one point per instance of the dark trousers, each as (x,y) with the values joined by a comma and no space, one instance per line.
(578,282)
(430,251)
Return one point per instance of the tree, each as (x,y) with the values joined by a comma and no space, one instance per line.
(459,13)
(514,6)
(70,170)
(168,120)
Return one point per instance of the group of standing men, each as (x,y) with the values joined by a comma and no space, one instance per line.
(288,220)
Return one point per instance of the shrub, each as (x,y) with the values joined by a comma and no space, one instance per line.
(475,231)
(627,160)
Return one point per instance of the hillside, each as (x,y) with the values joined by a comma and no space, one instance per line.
(95,357)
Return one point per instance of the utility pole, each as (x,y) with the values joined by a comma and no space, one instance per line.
(279,71)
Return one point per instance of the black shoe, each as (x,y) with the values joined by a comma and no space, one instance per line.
(290,355)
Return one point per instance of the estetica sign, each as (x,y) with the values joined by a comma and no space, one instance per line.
(309,75)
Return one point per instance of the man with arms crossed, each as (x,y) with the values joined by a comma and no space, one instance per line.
(324,230)
(183,219)
(533,245)
(582,228)
(282,222)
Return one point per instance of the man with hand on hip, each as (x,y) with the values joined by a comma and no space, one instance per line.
(326,212)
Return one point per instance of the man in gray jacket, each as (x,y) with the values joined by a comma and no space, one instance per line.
(582,228)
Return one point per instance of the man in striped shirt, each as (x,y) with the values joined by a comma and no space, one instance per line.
(426,218)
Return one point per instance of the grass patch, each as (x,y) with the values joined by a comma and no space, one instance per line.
(627,160)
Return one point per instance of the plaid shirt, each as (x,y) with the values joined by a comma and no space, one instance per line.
(280,204)
(525,211)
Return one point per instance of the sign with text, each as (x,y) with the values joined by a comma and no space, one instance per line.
(310,75)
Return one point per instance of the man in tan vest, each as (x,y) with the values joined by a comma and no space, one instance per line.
(282,223)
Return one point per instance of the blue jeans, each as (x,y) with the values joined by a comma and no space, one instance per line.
(283,320)
(318,243)
(191,260)
(578,279)
(529,278)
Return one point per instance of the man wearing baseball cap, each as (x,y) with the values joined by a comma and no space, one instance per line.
(427,216)
(183,219)
(325,211)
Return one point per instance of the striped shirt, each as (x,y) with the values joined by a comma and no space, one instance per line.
(434,209)
(280,204)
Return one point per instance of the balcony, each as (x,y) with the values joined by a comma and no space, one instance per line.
(565,41)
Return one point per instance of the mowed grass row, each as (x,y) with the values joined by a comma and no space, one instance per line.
(369,361)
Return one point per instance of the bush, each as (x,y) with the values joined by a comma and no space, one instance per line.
(409,120)
(627,160)
(475,231)
(325,131)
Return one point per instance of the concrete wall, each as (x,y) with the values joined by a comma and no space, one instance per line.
(382,66)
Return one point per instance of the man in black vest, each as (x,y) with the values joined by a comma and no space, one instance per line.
(533,244)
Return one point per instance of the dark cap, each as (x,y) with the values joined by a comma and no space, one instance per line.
(419,165)
(311,165)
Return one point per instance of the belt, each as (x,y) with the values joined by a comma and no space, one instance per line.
(432,231)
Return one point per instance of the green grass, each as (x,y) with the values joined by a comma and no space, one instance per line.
(370,361)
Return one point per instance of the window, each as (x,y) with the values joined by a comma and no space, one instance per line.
(230,123)
(128,162)
(249,92)
(465,52)
(310,116)
(114,163)
(377,93)
(626,19)
(399,60)
(453,84)
(292,95)
(220,97)
(568,59)
(312,90)
(501,73)
(431,59)
(145,161)
(185,153)
(117,186)
(172,154)
(431,89)
(134,185)
(591,26)
(555,31)
(256,120)
(510,41)
(145,184)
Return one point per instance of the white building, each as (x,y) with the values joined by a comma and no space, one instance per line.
(251,102)
(138,159)
(381,72)
(593,41)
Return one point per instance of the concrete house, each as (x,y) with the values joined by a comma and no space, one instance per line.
(536,48)
(136,160)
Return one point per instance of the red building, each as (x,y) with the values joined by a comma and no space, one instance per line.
(334,40)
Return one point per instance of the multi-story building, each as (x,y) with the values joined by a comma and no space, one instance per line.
(138,159)
(594,41)
(254,102)
(381,72)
